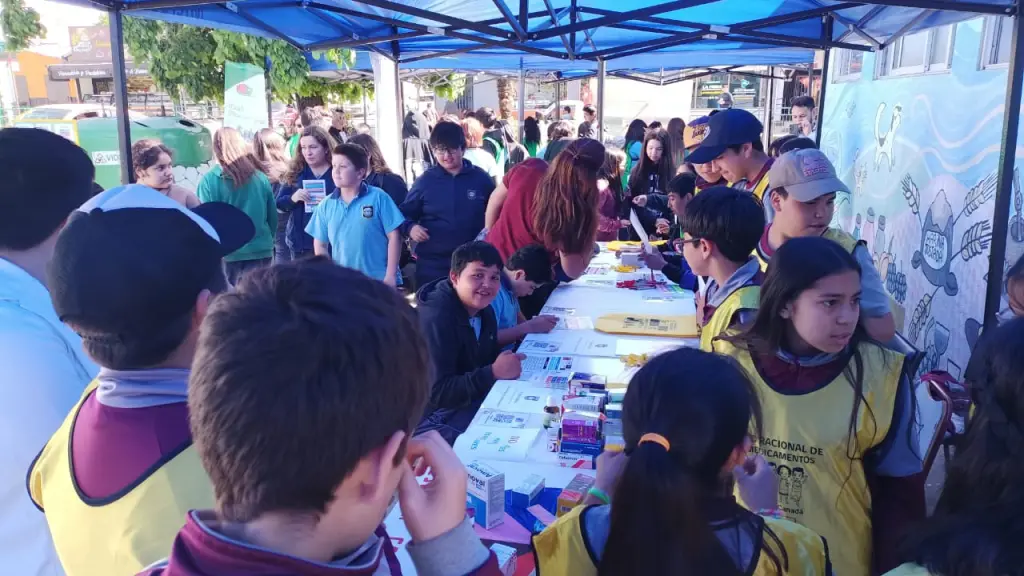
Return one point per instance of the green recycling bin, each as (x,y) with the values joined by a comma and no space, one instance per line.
(190,141)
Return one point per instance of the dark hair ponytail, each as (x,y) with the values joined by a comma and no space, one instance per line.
(667,499)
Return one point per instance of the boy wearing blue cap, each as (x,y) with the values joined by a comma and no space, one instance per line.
(732,144)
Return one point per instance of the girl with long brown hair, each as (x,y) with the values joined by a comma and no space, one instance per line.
(380,174)
(269,149)
(238,180)
(312,163)
(152,162)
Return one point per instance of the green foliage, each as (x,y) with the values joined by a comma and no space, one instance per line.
(192,58)
(20,24)
(448,86)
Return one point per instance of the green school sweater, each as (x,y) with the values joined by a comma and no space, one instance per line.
(256,199)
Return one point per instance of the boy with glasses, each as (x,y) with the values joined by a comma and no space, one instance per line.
(721,228)
(445,207)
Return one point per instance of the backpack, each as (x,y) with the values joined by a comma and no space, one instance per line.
(500,154)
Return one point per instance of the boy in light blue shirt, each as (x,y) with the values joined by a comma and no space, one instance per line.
(527,269)
(358,224)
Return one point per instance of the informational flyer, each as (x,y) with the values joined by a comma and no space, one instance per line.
(639,228)
(491,443)
(317,190)
(512,396)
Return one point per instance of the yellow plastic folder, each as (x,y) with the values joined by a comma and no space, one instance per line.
(616,245)
(648,325)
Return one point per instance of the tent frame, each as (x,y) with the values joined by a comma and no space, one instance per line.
(586,19)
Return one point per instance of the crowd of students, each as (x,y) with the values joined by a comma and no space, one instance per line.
(200,411)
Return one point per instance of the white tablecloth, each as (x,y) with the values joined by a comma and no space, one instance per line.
(592,295)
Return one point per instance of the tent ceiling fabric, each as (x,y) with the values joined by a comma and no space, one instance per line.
(569,35)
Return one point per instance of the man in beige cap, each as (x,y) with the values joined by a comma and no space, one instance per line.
(802,196)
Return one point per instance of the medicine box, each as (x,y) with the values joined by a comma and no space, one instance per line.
(586,448)
(579,461)
(583,403)
(506,558)
(630,259)
(613,410)
(526,494)
(612,427)
(614,443)
(485,489)
(573,494)
(580,428)
(588,380)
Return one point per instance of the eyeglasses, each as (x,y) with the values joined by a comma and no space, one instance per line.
(444,151)
(695,240)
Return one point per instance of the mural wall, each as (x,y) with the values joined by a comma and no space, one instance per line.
(920,154)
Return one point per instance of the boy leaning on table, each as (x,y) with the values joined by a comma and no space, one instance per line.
(303,480)
(527,269)
(462,335)
(721,228)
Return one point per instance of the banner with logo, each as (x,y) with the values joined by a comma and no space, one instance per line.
(245,98)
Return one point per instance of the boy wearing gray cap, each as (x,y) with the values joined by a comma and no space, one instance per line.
(802,196)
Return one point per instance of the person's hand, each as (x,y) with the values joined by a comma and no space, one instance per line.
(640,200)
(677,245)
(609,468)
(440,506)
(698,301)
(391,280)
(661,226)
(418,233)
(541,324)
(625,223)
(301,195)
(654,260)
(508,366)
(758,484)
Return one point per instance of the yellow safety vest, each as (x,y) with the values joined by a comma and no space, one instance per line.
(122,535)
(806,439)
(744,298)
(561,549)
(759,189)
(834,234)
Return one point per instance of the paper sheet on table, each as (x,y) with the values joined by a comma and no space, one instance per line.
(519,397)
(635,221)
(626,347)
(510,531)
(547,371)
(480,442)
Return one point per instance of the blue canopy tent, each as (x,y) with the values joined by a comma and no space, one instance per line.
(601,33)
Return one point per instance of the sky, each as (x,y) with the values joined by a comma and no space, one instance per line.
(56,17)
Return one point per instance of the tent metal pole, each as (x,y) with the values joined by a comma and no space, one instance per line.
(124,130)
(558,99)
(824,79)
(770,107)
(602,71)
(1005,176)
(522,98)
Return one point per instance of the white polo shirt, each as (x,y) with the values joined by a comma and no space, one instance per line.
(43,371)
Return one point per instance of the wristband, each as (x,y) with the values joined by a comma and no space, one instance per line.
(770,513)
(599,494)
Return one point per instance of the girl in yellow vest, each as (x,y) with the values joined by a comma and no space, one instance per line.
(976,529)
(838,408)
(663,506)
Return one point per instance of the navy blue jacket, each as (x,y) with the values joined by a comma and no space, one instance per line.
(295,232)
(462,362)
(451,208)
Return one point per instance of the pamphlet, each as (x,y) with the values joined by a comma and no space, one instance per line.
(317,190)
(639,228)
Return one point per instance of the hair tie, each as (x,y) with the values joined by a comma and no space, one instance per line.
(656,438)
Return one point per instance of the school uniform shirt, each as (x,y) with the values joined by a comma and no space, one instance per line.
(256,198)
(506,307)
(451,208)
(575,543)
(357,231)
(295,233)
(203,549)
(875,302)
(462,350)
(120,473)
(826,478)
(44,371)
(731,304)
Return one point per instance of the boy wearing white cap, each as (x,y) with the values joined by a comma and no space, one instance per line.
(803,194)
